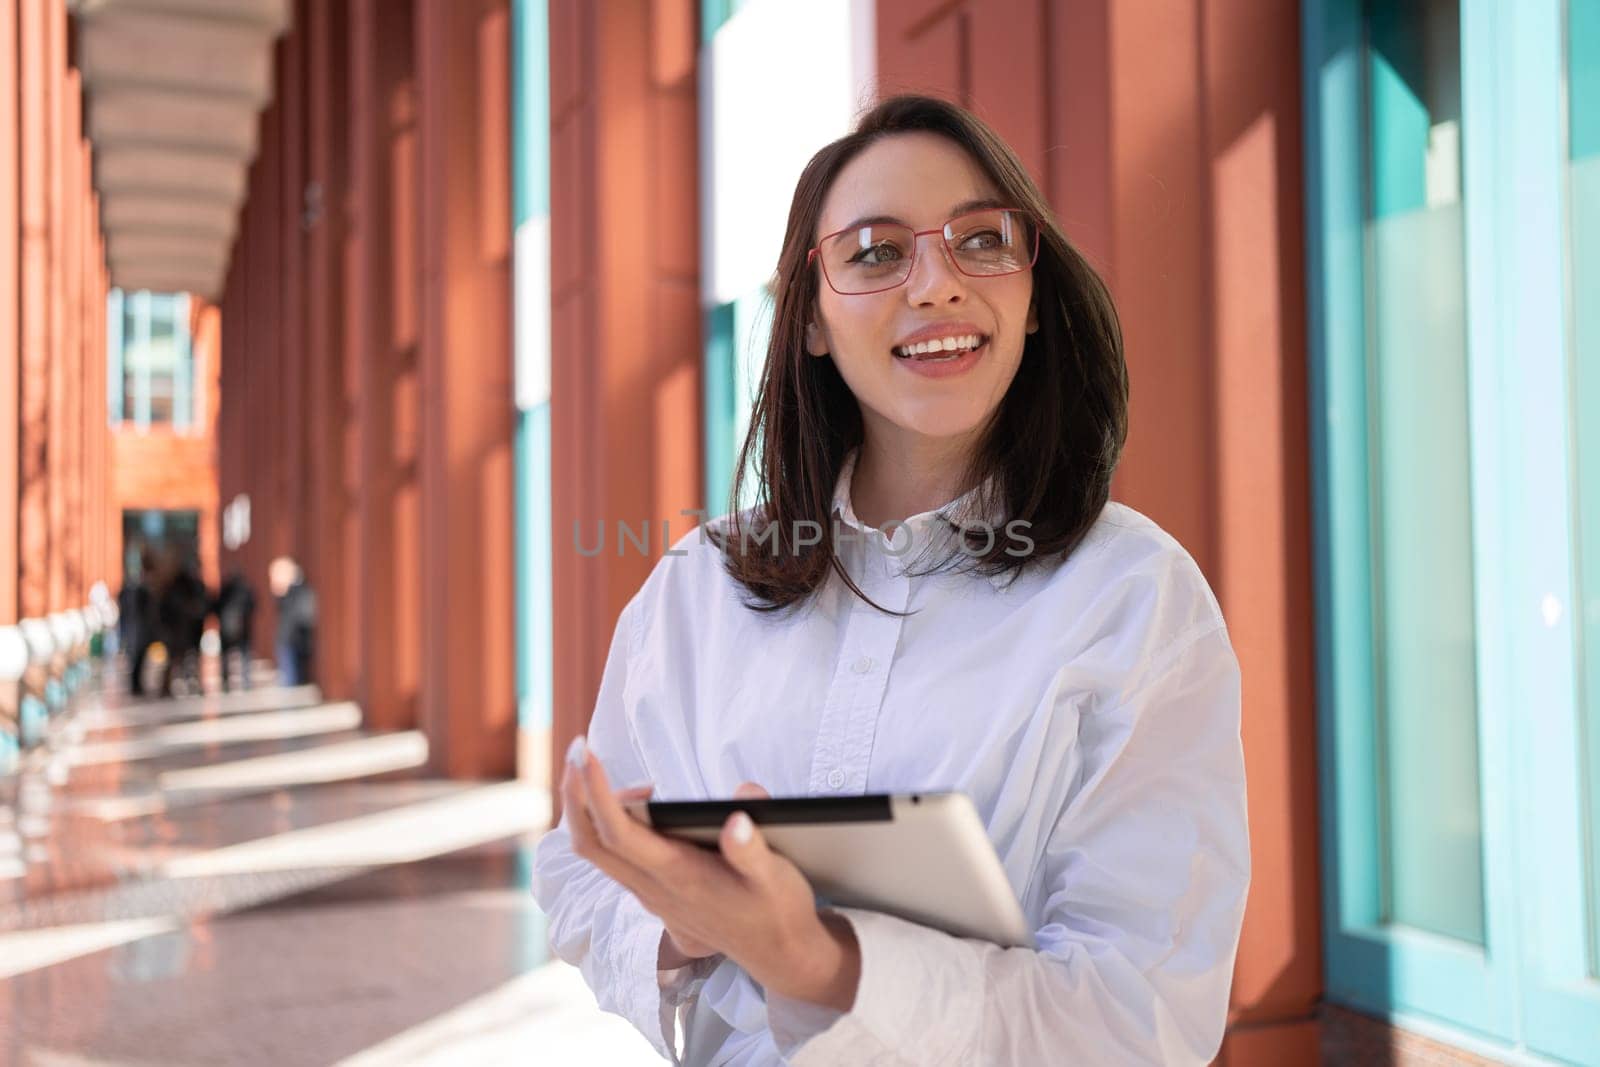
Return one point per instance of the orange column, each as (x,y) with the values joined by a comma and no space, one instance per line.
(289,518)
(625,377)
(94,369)
(83,544)
(258,244)
(1208,266)
(34,98)
(1174,161)
(325,414)
(277,424)
(78,584)
(381,526)
(65,435)
(107,565)
(231,398)
(10,324)
(205,326)
(468,671)
(264,369)
(56,513)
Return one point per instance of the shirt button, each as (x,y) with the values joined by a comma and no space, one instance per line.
(862,665)
(835,779)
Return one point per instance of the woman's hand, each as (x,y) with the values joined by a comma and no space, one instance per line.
(681,948)
(744,901)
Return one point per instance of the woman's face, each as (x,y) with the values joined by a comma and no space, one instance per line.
(921,180)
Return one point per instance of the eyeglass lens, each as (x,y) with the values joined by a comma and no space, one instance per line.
(879,256)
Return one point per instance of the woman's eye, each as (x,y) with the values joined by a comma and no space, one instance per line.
(876,255)
(981,240)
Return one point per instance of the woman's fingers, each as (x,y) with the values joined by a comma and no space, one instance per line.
(617,830)
(588,843)
(742,843)
(633,794)
(745,848)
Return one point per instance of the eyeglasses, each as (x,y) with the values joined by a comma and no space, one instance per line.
(879,256)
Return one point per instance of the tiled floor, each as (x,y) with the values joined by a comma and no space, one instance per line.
(252,880)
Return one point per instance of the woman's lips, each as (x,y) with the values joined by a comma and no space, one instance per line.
(943,368)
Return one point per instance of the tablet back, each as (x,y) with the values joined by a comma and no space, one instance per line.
(921,856)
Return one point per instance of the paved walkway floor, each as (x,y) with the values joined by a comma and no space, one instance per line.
(253,879)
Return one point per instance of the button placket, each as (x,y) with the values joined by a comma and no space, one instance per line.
(883,637)
(849,717)
(842,690)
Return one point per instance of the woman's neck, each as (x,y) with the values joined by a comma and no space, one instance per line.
(890,484)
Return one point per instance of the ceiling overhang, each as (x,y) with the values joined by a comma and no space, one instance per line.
(173,91)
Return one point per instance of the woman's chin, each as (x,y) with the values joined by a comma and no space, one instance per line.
(940,425)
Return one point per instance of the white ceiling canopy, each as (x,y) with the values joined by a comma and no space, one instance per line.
(172,94)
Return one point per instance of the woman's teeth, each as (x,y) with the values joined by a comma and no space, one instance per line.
(948,348)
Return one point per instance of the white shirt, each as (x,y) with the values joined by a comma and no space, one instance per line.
(1091,711)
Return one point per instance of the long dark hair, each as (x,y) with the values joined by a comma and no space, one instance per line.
(1050,447)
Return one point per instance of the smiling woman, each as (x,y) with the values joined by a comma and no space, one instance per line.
(1034,415)
(942,363)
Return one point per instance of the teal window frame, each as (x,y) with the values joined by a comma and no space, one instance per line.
(713,13)
(736,336)
(1582,44)
(720,408)
(532,455)
(1530,988)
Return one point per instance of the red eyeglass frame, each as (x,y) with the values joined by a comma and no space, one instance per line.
(1033,224)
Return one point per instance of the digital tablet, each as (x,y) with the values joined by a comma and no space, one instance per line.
(922,856)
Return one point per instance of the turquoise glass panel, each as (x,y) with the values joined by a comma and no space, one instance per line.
(1583,203)
(1420,477)
(736,349)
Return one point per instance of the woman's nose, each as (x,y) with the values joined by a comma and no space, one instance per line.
(934,278)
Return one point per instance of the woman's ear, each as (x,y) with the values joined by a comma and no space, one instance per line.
(816,343)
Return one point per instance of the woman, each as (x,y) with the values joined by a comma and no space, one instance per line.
(933,592)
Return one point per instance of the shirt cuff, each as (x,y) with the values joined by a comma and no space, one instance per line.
(900,1012)
(680,984)
(635,956)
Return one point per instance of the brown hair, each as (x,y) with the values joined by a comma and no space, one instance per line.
(1051,445)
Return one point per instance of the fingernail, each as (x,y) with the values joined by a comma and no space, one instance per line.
(742,828)
(577,753)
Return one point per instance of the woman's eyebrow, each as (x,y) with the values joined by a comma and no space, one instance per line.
(982,203)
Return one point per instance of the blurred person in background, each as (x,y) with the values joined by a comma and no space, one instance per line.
(182,605)
(235,609)
(297,620)
(136,620)
(945,372)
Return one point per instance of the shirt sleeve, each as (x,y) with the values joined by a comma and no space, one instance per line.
(595,923)
(1146,871)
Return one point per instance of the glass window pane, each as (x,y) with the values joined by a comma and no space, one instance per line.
(1583,258)
(161,397)
(752,328)
(1424,630)
(155,351)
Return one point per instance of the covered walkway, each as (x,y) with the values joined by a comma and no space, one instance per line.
(254,878)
